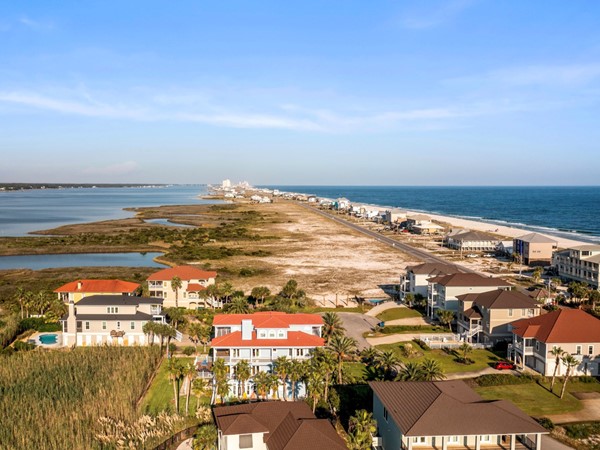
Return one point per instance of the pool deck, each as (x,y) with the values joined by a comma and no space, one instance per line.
(36,337)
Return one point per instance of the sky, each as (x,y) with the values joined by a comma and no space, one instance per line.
(452,92)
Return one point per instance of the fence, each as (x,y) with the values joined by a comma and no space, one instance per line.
(177,439)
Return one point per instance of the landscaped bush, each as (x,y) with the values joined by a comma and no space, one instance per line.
(582,430)
(504,379)
(188,351)
(53,400)
(38,324)
(393,329)
(422,344)
(546,423)
(21,346)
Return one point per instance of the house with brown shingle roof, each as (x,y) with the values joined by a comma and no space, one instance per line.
(448,414)
(484,318)
(442,290)
(274,426)
(414,281)
(573,330)
(193,282)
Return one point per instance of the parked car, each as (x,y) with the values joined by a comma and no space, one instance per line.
(504,365)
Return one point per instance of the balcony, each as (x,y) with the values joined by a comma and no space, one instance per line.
(523,349)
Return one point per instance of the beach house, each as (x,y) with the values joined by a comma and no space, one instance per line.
(443,290)
(110,319)
(448,414)
(580,263)
(274,426)
(193,282)
(76,290)
(535,249)
(471,241)
(260,339)
(414,281)
(485,317)
(573,330)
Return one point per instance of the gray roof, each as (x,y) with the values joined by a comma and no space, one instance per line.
(118,300)
(449,408)
(474,236)
(536,238)
(468,279)
(434,269)
(501,299)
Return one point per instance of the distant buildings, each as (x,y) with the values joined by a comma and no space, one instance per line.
(535,249)
(260,339)
(274,426)
(471,241)
(573,330)
(193,282)
(110,319)
(448,414)
(579,264)
(76,290)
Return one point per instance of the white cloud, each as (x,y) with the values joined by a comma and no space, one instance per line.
(38,25)
(123,168)
(436,16)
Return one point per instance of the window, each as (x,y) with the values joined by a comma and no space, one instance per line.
(112,310)
(299,352)
(262,334)
(590,350)
(87,325)
(255,353)
(578,351)
(104,325)
(537,345)
(280,334)
(133,325)
(385,413)
(236,352)
(272,333)
(453,439)
(118,325)
(485,438)
(510,312)
(420,440)
(245,441)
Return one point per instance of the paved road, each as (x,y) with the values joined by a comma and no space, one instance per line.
(356,324)
(416,253)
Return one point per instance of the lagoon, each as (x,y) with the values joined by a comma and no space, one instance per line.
(38,262)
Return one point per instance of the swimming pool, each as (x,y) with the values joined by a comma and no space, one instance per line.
(48,339)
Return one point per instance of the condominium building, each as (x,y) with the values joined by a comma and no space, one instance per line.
(260,339)
(535,249)
(579,264)
(193,282)
(110,319)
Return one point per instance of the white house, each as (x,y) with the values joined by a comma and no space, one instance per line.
(414,281)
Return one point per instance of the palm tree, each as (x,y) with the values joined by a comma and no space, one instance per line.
(189,372)
(537,274)
(242,372)
(176,316)
(446,317)
(342,347)
(409,299)
(176,372)
(281,368)
(149,329)
(260,292)
(315,387)
(205,438)
(411,371)
(361,428)
(332,325)
(465,349)
(557,352)
(431,370)
(296,372)
(569,361)
(273,384)
(323,362)
(220,385)
(387,362)
(238,305)
(176,284)
(20,297)
(194,331)
(261,384)
(198,388)
(369,355)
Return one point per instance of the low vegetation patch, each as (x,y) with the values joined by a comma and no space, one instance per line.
(398,329)
(398,313)
(54,400)
(504,379)
(582,430)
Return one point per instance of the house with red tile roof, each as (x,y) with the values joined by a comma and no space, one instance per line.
(573,330)
(76,290)
(274,426)
(193,282)
(260,339)
(448,415)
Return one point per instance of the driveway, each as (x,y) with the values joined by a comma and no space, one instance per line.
(356,324)
(589,412)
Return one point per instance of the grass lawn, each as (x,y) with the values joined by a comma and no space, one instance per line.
(398,313)
(160,394)
(536,400)
(482,358)
(355,370)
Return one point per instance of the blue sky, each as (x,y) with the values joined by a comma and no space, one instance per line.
(455,92)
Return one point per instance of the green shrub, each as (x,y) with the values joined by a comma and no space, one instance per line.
(188,351)
(582,430)
(393,329)
(245,272)
(422,344)
(546,423)
(172,347)
(504,379)
(21,346)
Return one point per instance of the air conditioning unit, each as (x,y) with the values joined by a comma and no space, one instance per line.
(377,442)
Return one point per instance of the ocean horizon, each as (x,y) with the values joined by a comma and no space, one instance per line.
(571,212)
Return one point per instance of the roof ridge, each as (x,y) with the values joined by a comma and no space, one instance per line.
(302,421)
(440,392)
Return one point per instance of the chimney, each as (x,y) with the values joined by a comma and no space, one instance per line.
(247,329)
(71,319)
(79,285)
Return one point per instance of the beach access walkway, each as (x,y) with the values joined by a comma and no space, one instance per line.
(418,254)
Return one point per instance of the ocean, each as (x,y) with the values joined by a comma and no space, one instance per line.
(30,210)
(569,212)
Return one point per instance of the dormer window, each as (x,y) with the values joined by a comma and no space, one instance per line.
(262,334)
(272,333)
(112,310)
(281,334)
